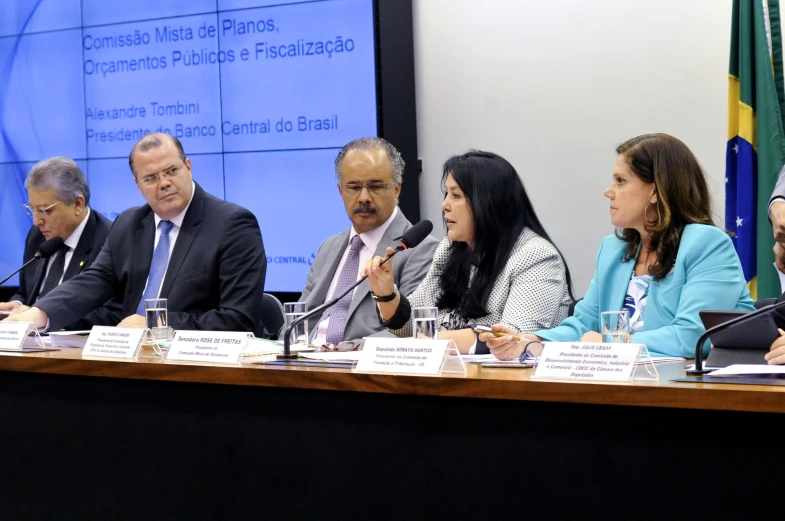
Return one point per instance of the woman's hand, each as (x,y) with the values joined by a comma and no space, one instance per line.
(592,336)
(380,276)
(504,347)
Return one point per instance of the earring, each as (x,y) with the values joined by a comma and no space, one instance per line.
(646,219)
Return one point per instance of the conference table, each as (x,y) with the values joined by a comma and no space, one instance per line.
(147,439)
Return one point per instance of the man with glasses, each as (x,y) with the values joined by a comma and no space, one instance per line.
(58,198)
(369,172)
(203,254)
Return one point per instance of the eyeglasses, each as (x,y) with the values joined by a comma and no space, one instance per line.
(154,179)
(346,345)
(374,188)
(43,212)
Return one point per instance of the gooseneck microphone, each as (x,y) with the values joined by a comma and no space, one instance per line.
(722,327)
(411,238)
(46,250)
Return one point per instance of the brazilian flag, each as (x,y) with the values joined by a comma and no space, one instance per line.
(756,141)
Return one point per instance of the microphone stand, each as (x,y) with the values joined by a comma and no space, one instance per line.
(287,354)
(20,269)
(699,369)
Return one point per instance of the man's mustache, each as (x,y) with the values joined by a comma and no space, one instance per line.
(365,208)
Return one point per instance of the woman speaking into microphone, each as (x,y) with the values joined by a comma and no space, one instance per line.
(496,265)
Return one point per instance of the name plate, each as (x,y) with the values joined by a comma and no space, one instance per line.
(402,356)
(208,346)
(587,361)
(114,342)
(13,334)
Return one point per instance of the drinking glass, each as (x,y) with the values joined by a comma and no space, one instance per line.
(157,318)
(425,323)
(292,311)
(615,326)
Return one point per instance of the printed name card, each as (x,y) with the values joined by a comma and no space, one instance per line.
(13,334)
(114,342)
(208,346)
(587,361)
(402,356)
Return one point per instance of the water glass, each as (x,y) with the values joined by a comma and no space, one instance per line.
(425,323)
(292,311)
(615,326)
(157,318)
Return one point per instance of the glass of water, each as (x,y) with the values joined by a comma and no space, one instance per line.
(615,326)
(425,323)
(157,318)
(292,311)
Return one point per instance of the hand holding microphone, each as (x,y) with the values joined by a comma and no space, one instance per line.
(379,272)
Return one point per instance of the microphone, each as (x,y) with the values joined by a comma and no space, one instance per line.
(722,327)
(46,250)
(410,238)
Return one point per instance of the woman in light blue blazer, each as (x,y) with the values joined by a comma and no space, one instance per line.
(666,262)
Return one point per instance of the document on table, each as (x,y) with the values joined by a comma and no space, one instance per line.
(742,369)
(67,338)
(333,356)
(264,346)
(479,358)
(660,359)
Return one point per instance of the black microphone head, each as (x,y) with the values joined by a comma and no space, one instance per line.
(416,234)
(49,248)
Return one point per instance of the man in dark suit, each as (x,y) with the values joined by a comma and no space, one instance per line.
(203,254)
(58,199)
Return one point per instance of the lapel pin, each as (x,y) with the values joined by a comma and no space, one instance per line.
(81,264)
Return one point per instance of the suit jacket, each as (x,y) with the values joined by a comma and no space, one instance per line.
(30,278)
(779,188)
(214,280)
(707,274)
(409,267)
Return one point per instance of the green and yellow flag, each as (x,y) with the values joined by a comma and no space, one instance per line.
(756,142)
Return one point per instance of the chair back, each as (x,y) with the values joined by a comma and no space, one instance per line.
(272,316)
(762,303)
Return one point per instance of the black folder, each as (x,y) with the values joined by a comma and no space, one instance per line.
(741,344)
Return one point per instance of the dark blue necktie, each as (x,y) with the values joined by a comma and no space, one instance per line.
(157,266)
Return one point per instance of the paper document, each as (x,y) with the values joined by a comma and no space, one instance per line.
(741,369)
(480,358)
(264,346)
(333,356)
(660,359)
(67,338)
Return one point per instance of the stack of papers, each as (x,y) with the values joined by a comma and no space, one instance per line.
(660,359)
(68,338)
(263,346)
(340,357)
(744,369)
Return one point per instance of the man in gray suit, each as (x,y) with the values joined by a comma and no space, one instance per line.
(369,172)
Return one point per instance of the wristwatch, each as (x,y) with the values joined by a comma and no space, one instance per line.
(386,298)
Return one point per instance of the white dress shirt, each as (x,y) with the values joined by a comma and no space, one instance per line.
(370,241)
(72,242)
(177,222)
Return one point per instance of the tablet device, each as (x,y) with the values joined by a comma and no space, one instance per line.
(758,333)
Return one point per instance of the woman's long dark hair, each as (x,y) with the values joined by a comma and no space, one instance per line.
(682,195)
(500,209)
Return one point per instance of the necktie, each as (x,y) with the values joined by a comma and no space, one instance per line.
(55,272)
(157,266)
(340,310)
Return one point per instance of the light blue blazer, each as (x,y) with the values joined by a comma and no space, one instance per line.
(707,275)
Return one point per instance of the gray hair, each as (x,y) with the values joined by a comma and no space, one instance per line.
(62,175)
(372,143)
(154,141)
